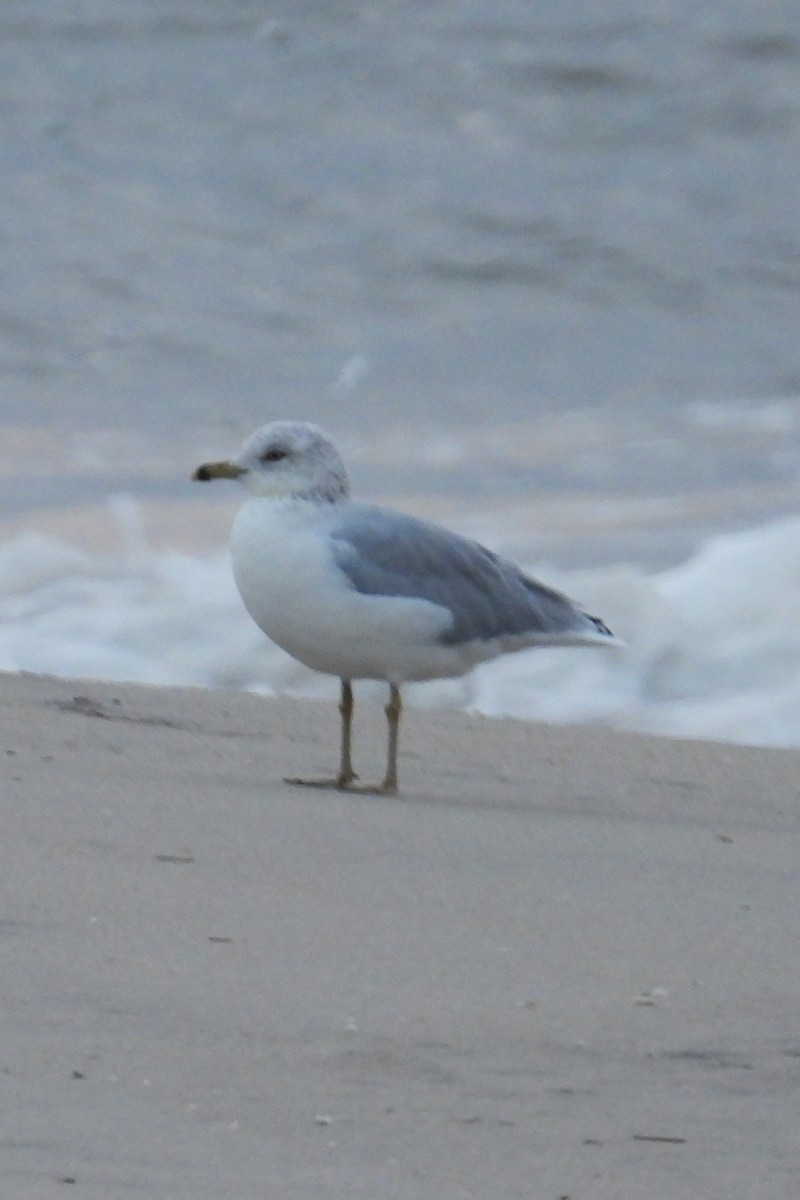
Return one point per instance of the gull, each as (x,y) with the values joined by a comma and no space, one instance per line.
(364,592)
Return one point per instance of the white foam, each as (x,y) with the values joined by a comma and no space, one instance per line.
(713,645)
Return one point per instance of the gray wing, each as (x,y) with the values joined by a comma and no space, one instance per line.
(384,553)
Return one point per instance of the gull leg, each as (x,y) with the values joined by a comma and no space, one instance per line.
(346,772)
(392,710)
(344,780)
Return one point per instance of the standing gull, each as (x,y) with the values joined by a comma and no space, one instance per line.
(367,593)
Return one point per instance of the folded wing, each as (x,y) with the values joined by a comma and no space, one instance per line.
(383,553)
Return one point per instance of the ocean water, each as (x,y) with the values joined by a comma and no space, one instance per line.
(537,267)
(713,645)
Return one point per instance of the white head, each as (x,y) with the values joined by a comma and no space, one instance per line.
(285,458)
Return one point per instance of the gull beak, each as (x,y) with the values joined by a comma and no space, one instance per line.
(218,470)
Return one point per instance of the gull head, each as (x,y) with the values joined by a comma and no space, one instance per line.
(285,458)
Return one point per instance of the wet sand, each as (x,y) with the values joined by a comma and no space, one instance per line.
(562,963)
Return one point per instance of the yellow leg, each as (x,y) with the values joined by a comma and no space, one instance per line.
(392,710)
(344,780)
(346,772)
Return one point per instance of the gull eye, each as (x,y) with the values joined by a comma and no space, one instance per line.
(274,454)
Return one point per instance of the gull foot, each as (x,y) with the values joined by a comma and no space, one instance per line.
(343,784)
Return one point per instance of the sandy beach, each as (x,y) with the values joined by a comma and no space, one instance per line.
(562,963)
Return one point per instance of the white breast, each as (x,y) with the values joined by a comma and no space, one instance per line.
(294,591)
